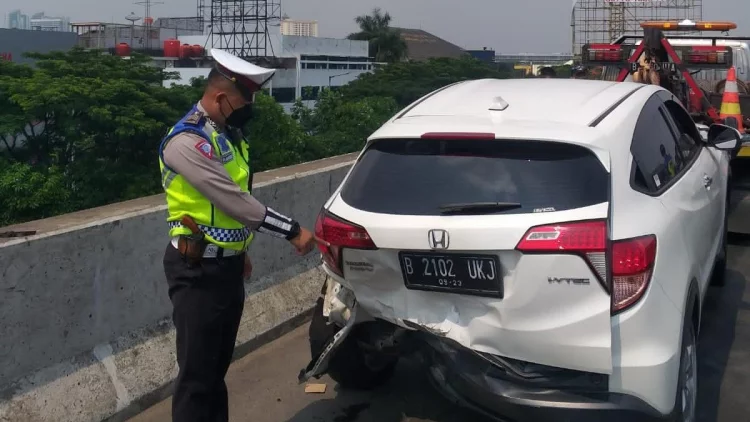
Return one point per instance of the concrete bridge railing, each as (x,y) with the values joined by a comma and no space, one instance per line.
(85,329)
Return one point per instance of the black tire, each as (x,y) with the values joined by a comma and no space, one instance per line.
(685,409)
(349,365)
(720,266)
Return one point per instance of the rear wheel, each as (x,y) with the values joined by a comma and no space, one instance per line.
(351,366)
(687,387)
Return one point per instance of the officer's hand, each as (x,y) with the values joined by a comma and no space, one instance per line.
(248,268)
(304,242)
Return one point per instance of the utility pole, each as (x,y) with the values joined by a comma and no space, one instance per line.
(148,19)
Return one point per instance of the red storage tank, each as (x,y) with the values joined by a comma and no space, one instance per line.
(186,51)
(171,48)
(197,50)
(122,49)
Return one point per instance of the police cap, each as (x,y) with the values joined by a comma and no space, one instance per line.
(247,77)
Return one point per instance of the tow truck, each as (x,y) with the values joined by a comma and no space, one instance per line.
(678,59)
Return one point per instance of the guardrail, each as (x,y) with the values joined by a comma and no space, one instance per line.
(85,332)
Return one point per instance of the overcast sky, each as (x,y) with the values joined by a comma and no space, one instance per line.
(508,26)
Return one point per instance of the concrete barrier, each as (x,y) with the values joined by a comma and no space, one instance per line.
(86,333)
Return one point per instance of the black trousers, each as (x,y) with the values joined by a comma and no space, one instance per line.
(208,300)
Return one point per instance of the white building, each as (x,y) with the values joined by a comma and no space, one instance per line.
(39,22)
(17,20)
(299,28)
(305,65)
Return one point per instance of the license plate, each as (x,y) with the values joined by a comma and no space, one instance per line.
(454,273)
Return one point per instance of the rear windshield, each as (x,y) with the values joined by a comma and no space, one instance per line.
(417,177)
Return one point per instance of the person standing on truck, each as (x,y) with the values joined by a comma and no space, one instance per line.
(212,215)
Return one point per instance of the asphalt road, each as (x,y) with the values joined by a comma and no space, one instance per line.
(263,385)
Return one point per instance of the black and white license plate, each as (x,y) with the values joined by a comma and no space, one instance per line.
(454,273)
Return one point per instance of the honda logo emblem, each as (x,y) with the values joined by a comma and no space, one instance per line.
(438,239)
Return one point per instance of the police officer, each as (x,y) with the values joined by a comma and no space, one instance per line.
(212,215)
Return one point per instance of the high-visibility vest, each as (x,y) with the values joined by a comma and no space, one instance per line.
(183,199)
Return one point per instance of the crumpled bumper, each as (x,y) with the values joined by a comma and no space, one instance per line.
(470,380)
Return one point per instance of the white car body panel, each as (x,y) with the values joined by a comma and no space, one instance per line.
(564,327)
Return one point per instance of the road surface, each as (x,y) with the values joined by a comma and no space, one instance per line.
(263,387)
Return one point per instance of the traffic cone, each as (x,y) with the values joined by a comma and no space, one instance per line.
(730,102)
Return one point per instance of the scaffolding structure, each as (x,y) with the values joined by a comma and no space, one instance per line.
(603,21)
(241,27)
(201,6)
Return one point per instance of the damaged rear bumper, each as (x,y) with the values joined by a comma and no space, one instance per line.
(473,382)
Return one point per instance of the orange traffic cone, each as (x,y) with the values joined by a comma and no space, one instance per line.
(730,103)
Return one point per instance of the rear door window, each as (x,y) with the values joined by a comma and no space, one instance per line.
(688,137)
(654,149)
(417,176)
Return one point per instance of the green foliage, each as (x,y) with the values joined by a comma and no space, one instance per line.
(408,81)
(276,140)
(385,43)
(81,129)
(29,193)
(95,116)
(337,126)
(564,71)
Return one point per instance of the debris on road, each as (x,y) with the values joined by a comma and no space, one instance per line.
(315,388)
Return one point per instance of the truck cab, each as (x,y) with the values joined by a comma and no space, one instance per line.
(692,67)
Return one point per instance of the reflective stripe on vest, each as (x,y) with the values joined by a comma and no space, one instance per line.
(183,199)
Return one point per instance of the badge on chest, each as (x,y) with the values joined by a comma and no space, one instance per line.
(225,149)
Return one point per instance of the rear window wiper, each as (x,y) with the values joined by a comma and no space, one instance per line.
(477,207)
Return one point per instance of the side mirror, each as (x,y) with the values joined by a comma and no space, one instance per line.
(725,138)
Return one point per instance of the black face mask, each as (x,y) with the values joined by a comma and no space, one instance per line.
(239,117)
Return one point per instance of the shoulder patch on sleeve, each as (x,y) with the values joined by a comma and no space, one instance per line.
(205,149)
(194,118)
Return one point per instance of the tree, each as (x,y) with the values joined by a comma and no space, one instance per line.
(93,119)
(28,193)
(385,43)
(337,126)
(275,139)
(408,81)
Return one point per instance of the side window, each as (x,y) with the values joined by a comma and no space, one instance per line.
(654,149)
(739,53)
(688,138)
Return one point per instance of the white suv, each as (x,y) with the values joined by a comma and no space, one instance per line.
(545,245)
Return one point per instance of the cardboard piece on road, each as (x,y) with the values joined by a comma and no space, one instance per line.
(315,388)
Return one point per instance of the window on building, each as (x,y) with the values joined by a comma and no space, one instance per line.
(314,65)
(284,95)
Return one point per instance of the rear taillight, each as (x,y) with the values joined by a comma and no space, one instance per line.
(632,259)
(339,234)
(587,239)
(632,265)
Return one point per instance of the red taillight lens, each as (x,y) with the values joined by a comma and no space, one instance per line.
(586,238)
(632,265)
(469,136)
(339,234)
